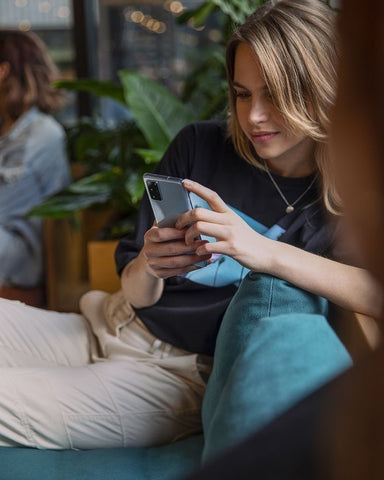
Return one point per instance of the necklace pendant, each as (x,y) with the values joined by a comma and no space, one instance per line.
(289,209)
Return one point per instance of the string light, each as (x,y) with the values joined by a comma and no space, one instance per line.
(191,23)
(21,3)
(44,7)
(174,6)
(215,35)
(137,16)
(146,21)
(25,25)
(63,12)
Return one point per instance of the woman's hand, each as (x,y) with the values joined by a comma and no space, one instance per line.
(234,237)
(166,253)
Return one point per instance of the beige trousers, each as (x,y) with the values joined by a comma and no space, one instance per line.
(95,380)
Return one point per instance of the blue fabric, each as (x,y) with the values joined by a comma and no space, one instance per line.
(267,359)
(33,166)
(158,463)
(223,269)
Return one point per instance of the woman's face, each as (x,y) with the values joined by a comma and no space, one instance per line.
(287,153)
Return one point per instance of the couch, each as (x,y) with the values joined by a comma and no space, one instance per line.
(275,346)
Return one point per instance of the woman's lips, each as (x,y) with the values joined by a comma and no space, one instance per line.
(263,137)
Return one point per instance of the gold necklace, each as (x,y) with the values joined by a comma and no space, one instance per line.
(290,206)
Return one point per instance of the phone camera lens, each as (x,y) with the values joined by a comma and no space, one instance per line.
(154,191)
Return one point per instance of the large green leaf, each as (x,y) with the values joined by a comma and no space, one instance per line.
(238,10)
(199,15)
(96,87)
(150,156)
(65,204)
(135,186)
(100,182)
(158,113)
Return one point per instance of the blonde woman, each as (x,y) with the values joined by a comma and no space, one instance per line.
(281,70)
(142,357)
(270,179)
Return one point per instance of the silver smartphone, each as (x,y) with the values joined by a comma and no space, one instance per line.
(168,199)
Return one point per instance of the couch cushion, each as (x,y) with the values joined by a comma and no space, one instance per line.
(274,347)
(157,463)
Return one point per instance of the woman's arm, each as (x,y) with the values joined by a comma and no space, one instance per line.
(348,287)
(140,287)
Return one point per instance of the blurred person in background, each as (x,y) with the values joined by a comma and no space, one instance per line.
(33,162)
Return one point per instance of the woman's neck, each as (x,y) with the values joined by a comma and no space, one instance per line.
(298,161)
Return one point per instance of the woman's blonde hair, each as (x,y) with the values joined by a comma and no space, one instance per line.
(295,44)
(31,72)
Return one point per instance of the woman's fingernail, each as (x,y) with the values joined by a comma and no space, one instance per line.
(187,182)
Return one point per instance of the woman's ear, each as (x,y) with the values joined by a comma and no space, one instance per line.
(4,70)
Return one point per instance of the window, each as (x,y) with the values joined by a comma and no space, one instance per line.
(145,35)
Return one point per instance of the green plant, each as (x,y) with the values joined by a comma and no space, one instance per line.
(110,167)
(116,155)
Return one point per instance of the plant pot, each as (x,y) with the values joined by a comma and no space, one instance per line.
(101,266)
(66,260)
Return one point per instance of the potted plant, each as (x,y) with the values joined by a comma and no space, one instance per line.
(104,201)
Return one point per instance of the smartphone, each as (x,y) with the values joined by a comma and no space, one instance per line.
(168,199)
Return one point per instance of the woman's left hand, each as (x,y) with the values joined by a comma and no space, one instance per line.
(314,273)
(234,237)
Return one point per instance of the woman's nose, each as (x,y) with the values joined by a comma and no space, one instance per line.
(259,112)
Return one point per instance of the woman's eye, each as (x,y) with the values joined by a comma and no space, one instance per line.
(268,95)
(241,95)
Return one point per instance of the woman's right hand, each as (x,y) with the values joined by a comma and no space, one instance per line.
(166,254)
